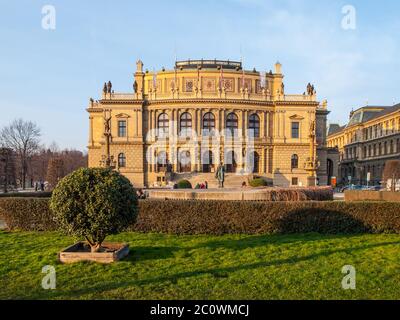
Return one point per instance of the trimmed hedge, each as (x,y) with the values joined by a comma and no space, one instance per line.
(184,184)
(39,194)
(27,214)
(222,217)
(258,182)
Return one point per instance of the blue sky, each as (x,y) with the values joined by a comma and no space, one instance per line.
(48,76)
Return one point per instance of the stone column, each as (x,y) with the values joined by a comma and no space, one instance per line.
(155,124)
(241,120)
(91,142)
(217,120)
(262,125)
(140,122)
(246,122)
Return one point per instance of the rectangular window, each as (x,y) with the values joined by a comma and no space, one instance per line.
(295,181)
(121,128)
(295,130)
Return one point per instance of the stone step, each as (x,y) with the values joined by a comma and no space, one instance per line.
(231,179)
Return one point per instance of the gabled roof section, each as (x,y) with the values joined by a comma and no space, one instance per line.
(335,128)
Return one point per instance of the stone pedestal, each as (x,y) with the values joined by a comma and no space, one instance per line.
(311,181)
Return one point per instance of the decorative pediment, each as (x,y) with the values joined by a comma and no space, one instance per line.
(296,117)
(122,115)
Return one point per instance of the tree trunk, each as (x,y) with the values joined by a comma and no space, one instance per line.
(95,248)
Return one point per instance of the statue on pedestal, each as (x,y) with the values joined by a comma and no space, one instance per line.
(220,175)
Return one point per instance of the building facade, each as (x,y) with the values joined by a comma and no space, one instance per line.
(186,121)
(371,137)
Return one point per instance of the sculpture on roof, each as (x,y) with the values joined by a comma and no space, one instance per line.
(309,89)
(109,87)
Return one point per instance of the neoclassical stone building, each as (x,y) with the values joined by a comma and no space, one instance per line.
(371,137)
(186,121)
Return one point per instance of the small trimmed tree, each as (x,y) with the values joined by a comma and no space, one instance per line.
(184,184)
(93,203)
(258,182)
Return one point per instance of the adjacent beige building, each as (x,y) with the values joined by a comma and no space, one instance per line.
(371,137)
(182,123)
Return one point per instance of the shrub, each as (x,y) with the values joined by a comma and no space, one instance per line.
(93,203)
(258,182)
(27,214)
(25,195)
(184,184)
(222,217)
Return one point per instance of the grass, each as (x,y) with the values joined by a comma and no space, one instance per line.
(206,267)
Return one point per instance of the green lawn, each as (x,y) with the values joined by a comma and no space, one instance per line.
(206,267)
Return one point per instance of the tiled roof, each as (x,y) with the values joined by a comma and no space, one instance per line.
(335,128)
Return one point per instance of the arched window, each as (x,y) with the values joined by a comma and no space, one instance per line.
(163,124)
(254,125)
(208,123)
(162,161)
(184,161)
(207,161)
(254,162)
(121,160)
(295,161)
(230,161)
(232,123)
(185,124)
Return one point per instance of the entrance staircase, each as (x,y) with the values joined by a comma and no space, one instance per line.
(232,180)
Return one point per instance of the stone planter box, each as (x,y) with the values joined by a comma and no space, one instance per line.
(80,251)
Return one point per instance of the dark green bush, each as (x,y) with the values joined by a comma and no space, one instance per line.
(25,195)
(184,184)
(221,217)
(27,214)
(94,203)
(258,182)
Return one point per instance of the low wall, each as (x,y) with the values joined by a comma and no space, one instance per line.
(366,195)
(258,194)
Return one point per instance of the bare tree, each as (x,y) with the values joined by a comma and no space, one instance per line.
(23,138)
(55,171)
(7,169)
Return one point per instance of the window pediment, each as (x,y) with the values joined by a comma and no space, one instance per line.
(296,117)
(122,115)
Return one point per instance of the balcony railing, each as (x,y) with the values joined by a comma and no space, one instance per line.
(156,96)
